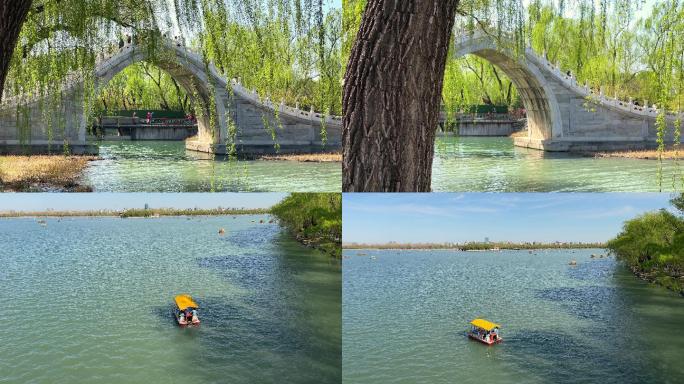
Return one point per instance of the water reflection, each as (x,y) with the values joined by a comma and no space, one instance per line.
(493,164)
(165,166)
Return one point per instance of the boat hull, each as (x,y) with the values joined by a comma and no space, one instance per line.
(490,342)
(184,323)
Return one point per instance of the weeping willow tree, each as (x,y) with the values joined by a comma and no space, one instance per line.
(286,49)
(396,68)
(143,86)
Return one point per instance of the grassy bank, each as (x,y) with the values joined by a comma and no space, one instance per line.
(43,173)
(333,157)
(153,212)
(315,219)
(474,246)
(652,246)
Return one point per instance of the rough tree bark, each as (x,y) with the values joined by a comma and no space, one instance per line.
(392,89)
(12,16)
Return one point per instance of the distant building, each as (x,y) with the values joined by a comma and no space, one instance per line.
(147,206)
(486,240)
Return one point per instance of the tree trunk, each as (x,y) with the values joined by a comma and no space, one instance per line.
(392,89)
(12,16)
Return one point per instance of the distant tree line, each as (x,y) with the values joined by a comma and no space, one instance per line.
(479,246)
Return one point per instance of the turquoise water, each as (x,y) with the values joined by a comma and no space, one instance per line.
(165,166)
(406,312)
(90,300)
(494,164)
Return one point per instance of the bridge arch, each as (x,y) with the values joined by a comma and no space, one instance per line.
(537,95)
(188,70)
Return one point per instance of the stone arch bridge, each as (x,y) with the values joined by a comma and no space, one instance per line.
(561,114)
(258,123)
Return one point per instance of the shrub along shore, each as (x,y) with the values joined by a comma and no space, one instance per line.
(652,246)
(315,219)
(474,246)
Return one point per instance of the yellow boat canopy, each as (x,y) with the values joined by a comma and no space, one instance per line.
(484,324)
(185,301)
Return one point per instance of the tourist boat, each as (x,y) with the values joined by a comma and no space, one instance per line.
(484,331)
(185,304)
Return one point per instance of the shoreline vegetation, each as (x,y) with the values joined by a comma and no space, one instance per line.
(474,246)
(325,157)
(43,173)
(314,219)
(646,154)
(652,246)
(138,212)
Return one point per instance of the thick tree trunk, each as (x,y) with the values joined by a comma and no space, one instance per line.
(392,91)
(12,16)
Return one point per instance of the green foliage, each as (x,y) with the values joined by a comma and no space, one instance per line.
(678,202)
(652,245)
(314,218)
(352,11)
(143,86)
(280,52)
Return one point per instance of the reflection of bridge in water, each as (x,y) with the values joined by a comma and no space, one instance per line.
(231,114)
(562,115)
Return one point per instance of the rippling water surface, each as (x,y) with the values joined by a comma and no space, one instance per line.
(165,166)
(494,164)
(406,313)
(90,300)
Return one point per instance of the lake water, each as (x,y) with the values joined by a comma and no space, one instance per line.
(165,166)
(89,300)
(406,312)
(494,164)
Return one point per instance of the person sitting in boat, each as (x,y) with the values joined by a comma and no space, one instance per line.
(188,314)
(194,314)
(181,317)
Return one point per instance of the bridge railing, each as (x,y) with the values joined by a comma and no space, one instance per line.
(281,107)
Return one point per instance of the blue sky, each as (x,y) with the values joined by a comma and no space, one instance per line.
(116,201)
(459,217)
